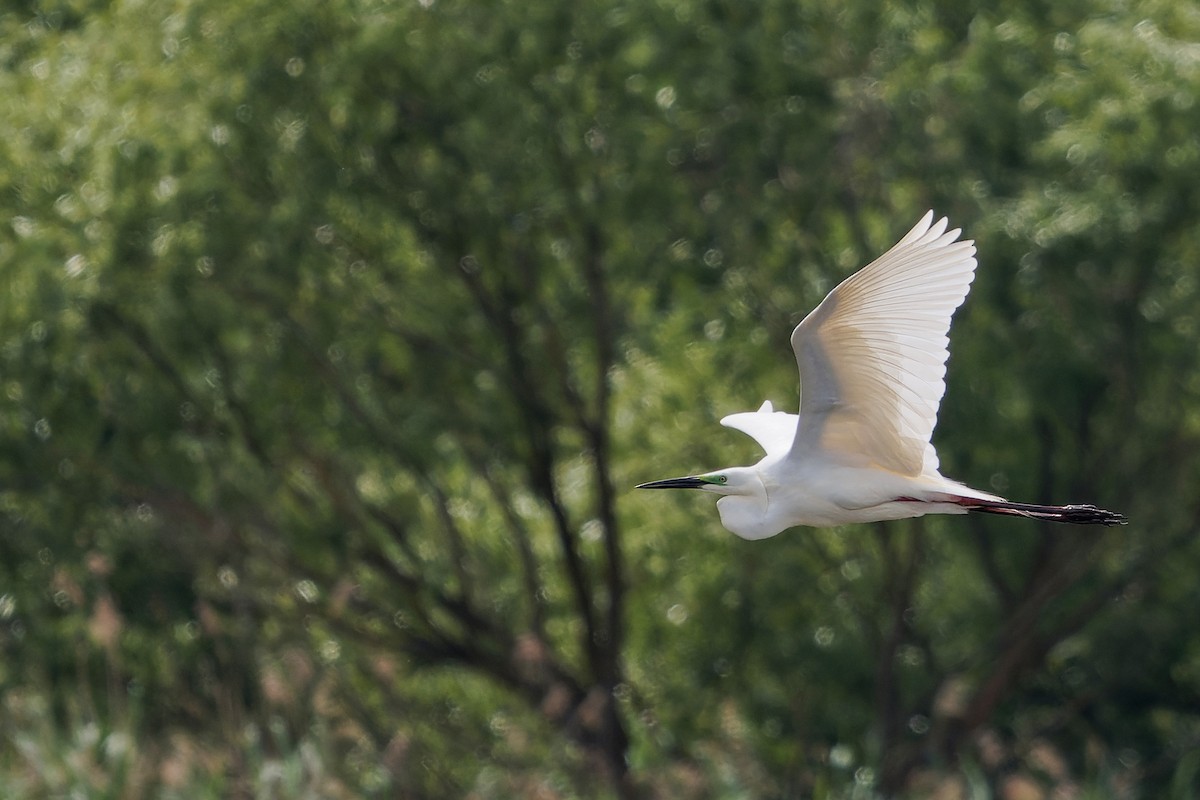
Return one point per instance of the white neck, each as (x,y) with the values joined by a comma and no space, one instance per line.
(745,513)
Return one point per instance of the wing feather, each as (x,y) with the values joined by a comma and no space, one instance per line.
(872,355)
(775,431)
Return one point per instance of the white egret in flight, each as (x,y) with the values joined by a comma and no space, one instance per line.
(872,359)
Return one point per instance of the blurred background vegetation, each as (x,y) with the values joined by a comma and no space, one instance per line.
(334,333)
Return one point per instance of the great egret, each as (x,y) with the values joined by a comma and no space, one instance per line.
(872,359)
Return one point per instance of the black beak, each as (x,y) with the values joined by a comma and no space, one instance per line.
(674,483)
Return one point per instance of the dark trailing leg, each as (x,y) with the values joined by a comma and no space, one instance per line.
(1074,514)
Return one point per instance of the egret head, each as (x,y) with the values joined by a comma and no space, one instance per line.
(744,504)
(735,480)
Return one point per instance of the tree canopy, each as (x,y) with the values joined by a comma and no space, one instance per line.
(335,334)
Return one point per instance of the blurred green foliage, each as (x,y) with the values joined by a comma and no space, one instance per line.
(333,335)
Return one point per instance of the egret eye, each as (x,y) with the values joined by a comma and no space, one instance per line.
(722,479)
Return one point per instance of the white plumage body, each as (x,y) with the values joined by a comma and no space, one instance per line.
(824,490)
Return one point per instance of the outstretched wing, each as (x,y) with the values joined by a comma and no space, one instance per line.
(773,430)
(872,355)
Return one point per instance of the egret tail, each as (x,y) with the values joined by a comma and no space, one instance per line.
(1074,514)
